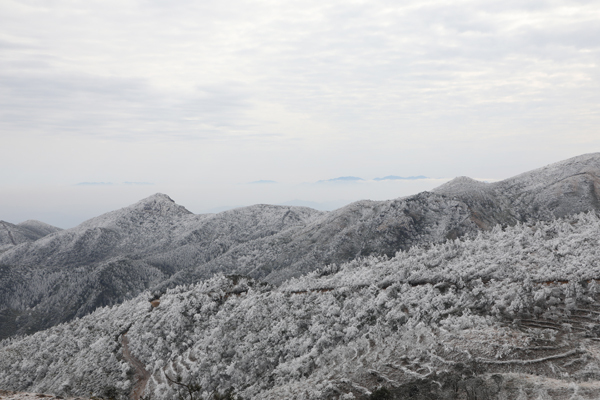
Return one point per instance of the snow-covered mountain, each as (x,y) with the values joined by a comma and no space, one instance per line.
(28,231)
(563,188)
(156,244)
(111,258)
(507,314)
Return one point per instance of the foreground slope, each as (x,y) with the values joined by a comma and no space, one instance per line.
(509,313)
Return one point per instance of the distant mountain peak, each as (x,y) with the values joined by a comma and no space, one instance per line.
(459,184)
(94,184)
(343,179)
(156,197)
(35,222)
(404,178)
(41,228)
(159,204)
(28,231)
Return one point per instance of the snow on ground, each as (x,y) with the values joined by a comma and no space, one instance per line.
(10,395)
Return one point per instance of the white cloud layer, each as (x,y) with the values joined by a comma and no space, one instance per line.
(201,93)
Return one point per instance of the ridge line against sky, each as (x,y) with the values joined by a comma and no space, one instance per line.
(195,97)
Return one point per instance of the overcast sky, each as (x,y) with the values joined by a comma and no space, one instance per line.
(199,98)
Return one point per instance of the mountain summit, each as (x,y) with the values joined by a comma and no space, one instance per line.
(150,209)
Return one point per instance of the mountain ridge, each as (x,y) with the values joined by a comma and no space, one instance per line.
(28,231)
(157,244)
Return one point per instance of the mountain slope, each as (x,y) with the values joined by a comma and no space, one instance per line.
(563,188)
(508,313)
(102,261)
(29,231)
(39,228)
(461,206)
(556,190)
(357,230)
(157,244)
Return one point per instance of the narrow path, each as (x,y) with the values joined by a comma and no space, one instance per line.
(141,376)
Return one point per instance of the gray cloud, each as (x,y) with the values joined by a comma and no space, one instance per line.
(347,63)
(115,107)
(294,91)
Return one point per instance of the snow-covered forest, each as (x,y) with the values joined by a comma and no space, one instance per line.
(509,312)
(157,244)
(49,276)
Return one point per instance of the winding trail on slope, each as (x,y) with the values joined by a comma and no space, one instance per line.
(141,376)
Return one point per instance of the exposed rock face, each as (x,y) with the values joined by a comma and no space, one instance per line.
(156,243)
